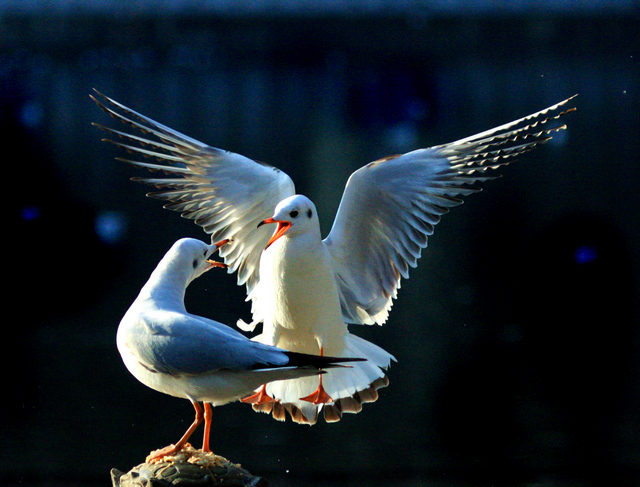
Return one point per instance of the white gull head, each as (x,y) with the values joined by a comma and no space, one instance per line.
(295,215)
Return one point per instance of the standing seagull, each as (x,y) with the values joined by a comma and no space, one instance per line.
(188,356)
(303,289)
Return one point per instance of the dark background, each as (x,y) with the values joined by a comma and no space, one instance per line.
(517,335)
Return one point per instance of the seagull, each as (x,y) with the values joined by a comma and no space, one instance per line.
(305,289)
(188,356)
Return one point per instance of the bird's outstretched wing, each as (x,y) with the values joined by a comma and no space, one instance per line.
(227,194)
(390,207)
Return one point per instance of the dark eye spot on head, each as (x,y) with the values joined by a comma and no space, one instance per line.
(195,263)
(293,213)
(309,213)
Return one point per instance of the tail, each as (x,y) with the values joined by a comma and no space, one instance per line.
(349,386)
(318,361)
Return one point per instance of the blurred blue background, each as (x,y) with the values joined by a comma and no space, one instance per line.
(516,337)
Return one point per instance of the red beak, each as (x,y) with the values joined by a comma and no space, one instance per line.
(283,226)
(217,245)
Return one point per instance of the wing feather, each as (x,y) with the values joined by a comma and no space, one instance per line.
(184,344)
(225,193)
(390,207)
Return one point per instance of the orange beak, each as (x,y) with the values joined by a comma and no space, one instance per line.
(283,226)
(217,245)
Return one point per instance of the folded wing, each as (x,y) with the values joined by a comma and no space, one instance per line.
(177,344)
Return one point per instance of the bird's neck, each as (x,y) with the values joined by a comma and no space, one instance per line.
(165,290)
(297,248)
(300,257)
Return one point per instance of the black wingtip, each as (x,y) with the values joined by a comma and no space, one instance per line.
(319,361)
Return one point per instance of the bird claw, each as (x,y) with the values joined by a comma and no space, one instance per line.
(164,452)
(320,396)
(260,397)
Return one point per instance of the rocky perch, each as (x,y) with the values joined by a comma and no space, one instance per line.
(188,466)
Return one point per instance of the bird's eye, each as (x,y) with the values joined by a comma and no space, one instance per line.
(309,213)
(293,213)
(195,263)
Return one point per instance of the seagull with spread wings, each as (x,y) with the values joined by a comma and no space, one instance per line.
(304,289)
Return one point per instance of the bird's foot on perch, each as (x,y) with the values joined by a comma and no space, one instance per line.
(187,467)
(168,451)
(185,454)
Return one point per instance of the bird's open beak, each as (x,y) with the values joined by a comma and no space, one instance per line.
(283,226)
(217,245)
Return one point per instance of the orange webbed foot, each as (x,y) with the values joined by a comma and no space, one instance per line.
(164,452)
(260,397)
(319,396)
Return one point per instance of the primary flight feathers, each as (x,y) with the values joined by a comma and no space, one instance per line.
(388,210)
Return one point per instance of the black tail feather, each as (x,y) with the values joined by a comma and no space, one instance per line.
(319,361)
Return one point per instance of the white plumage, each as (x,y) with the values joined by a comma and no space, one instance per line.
(305,289)
(192,357)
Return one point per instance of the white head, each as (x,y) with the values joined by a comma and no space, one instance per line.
(294,215)
(191,258)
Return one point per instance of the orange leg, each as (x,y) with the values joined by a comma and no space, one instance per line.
(171,449)
(319,396)
(260,397)
(207,427)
